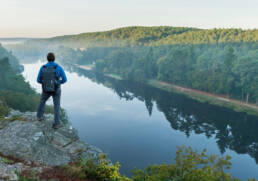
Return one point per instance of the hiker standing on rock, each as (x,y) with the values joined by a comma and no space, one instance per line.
(51,76)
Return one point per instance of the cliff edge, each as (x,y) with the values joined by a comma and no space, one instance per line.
(29,145)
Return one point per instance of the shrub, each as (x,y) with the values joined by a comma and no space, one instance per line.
(190,166)
(89,169)
(4,110)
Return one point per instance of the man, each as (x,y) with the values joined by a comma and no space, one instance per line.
(51,76)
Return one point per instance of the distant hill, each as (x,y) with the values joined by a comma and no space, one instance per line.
(136,36)
(157,35)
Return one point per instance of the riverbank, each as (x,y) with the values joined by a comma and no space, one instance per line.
(202,96)
(198,95)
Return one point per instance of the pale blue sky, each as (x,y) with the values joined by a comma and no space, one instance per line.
(46,18)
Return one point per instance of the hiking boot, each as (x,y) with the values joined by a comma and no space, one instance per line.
(56,126)
(40,119)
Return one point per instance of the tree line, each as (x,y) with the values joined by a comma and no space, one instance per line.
(14,91)
(153,36)
(229,69)
(12,59)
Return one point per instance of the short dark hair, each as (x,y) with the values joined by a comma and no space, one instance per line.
(51,57)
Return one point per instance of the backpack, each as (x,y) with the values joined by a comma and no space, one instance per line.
(49,79)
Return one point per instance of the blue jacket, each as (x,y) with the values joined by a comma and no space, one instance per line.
(59,72)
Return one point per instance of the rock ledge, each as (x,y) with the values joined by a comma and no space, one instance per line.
(36,145)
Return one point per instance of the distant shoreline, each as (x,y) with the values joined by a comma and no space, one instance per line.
(210,98)
(201,96)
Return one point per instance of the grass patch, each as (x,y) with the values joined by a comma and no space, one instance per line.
(4,110)
(7,161)
(79,151)
(2,118)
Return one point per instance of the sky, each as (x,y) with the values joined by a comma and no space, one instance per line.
(48,18)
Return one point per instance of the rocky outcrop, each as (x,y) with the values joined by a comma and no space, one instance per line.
(36,145)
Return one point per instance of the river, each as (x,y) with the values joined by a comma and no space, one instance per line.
(138,125)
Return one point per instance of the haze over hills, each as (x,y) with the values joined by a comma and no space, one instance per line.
(156,35)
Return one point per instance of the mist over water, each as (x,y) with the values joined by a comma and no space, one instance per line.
(11,41)
(138,125)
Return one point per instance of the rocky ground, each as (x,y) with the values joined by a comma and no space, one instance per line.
(29,145)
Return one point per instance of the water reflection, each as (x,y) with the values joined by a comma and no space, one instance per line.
(232,130)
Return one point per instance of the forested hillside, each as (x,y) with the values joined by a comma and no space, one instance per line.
(227,69)
(14,91)
(135,36)
(12,59)
(160,35)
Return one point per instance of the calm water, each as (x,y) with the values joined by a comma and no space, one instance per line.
(138,125)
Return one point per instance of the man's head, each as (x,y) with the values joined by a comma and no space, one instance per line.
(50,57)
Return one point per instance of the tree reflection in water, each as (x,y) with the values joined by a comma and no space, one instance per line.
(233,130)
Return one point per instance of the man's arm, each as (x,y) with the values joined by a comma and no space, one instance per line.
(39,76)
(63,76)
